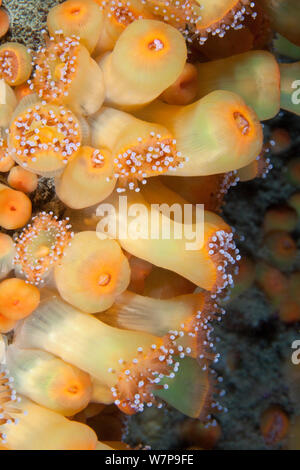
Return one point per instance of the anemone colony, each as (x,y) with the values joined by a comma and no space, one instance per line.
(160,101)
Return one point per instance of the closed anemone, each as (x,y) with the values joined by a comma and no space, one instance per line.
(15,63)
(280,217)
(242,74)
(48,380)
(281,249)
(17,298)
(66,74)
(4,22)
(15,208)
(218,133)
(43,138)
(92,272)
(40,246)
(147,58)
(38,428)
(272,282)
(81,18)
(22,180)
(88,178)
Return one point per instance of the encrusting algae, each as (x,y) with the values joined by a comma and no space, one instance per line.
(122,101)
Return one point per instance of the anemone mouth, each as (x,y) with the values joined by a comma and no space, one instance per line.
(97,159)
(73,389)
(9,410)
(41,245)
(281,245)
(242,123)
(138,380)
(223,252)
(88,260)
(75,11)
(104,279)
(56,67)
(99,281)
(148,157)
(45,130)
(156,45)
